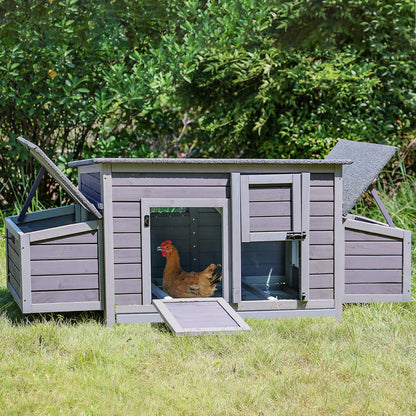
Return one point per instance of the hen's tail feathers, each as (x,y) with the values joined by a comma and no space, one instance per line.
(216,275)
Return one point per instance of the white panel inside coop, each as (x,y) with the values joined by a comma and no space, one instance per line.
(195,232)
(270,269)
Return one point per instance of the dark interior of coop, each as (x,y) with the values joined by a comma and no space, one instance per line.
(195,232)
(268,269)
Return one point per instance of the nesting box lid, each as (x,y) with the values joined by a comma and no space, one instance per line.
(368,161)
(54,171)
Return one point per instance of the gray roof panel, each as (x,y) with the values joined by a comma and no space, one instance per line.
(368,161)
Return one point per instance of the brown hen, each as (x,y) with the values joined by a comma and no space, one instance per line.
(180,284)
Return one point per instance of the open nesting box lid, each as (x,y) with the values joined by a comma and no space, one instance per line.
(54,171)
(368,161)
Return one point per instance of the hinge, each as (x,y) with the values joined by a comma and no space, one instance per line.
(296,235)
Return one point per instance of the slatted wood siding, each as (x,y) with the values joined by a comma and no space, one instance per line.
(65,269)
(14,263)
(90,186)
(373,264)
(270,208)
(128,190)
(321,249)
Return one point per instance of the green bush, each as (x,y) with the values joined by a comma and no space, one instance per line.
(234,78)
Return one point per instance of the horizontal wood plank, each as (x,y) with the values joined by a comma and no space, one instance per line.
(127,255)
(170,179)
(322,237)
(270,224)
(317,252)
(126,225)
(321,179)
(259,193)
(321,281)
(65,296)
(315,294)
(52,267)
(133,194)
(321,208)
(127,271)
(376,289)
(321,223)
(373,262)
(352,235)
(270,209)
(380,248)
(321,193)
(63,252)
(65,282)
(125,286)
(373,276)
(127,240)
(128,299)
(126,210)
(85,238)
(321,266)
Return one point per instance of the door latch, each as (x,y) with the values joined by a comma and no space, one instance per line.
(147,221)
(296,235)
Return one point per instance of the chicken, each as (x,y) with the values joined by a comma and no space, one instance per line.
(180,284)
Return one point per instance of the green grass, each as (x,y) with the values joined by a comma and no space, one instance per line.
(364,364)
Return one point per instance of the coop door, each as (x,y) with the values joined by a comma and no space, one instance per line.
(198,228)
(274,248)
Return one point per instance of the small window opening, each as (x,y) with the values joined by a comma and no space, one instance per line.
(270,270)
(195,232)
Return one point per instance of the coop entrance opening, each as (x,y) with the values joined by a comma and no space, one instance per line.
(270,270)
(199,236)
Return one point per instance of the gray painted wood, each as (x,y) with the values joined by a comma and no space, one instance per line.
(372,289)
(270,224)
(126,210)
(322,208)
(128,286)
(50,267)
(322,179)
(373,276)
(322,193)
(126,225)
(275,209)
(85,238)
(317,252)
(171,179)
(127,240)
(321,223)
(65,282)
(373,262)
(236,237)
(321,281)
(321,294)
(63,252)
(321,266)
(378,248)
(258,193)
(127,271)
(47,223)
(128,299)
(132,194)
(355,235)
(126,256)
(65,296)
(322,237)
(66,306)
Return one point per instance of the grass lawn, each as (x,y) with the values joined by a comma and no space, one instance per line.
(364,364)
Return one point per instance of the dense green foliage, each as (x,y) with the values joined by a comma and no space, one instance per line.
(236,78)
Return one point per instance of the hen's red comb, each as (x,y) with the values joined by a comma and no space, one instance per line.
(165,243)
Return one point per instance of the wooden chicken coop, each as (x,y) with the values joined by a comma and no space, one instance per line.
(281,229)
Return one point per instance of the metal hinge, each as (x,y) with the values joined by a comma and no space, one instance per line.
(296,235)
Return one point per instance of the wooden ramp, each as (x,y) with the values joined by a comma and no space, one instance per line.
(198,316)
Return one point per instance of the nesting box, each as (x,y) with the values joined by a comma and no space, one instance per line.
(281,230)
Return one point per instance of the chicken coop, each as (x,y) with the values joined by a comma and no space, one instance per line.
(281,229)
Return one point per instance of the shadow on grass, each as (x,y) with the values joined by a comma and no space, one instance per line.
(12,312)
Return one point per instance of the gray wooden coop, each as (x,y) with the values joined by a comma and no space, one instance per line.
(280,228)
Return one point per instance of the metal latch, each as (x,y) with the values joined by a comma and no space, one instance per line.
(147,221)
(296,235)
